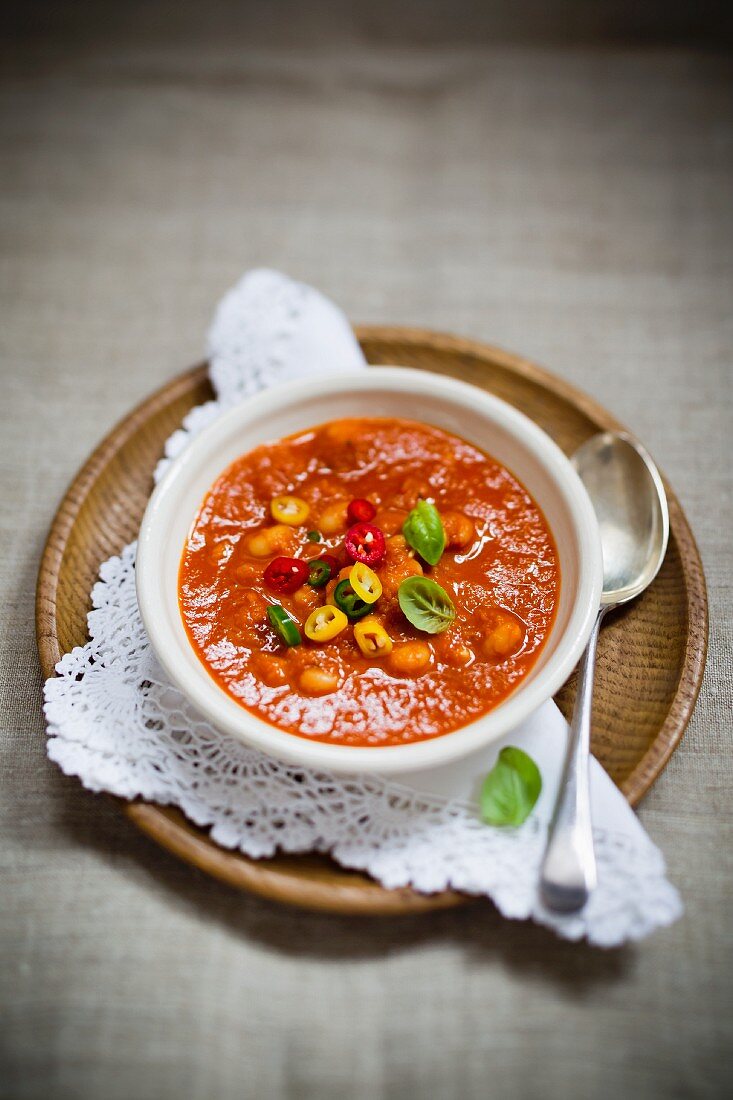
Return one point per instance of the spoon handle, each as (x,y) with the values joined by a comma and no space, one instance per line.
(568,874)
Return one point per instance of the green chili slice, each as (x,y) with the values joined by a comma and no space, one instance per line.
(346,598)
(314,536)
(285,627)
(319,573)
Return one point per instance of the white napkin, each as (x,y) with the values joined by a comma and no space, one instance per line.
(115,721)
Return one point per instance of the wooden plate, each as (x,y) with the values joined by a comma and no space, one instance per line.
(650,661)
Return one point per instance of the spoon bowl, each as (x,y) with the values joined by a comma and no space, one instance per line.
(628,497)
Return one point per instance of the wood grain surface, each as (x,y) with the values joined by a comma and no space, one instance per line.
(651,655)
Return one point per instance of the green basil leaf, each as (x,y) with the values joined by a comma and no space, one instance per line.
(426,604)
(511,788)
(423,530)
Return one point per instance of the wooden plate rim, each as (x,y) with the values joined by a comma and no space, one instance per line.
(354,893)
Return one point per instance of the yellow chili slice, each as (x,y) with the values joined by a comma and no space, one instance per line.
(371,637)
(365,582)
(324,623)
(290,510)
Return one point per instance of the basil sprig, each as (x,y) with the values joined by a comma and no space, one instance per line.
(426,604)
(511,788)
(423,530)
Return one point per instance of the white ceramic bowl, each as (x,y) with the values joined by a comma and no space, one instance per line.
(466,411)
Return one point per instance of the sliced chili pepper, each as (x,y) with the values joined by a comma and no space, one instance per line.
(285,627)
(372,639)
(365,582)
(347,600)
(290,510)
(319,573)
(364,542)
(331,561)
(286,575)
(325,623)
(314,536)
(361,511)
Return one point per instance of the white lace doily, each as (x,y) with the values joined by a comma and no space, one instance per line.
(116,723)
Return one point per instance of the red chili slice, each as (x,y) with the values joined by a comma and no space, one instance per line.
(286,575)
(361,511)
(364,542)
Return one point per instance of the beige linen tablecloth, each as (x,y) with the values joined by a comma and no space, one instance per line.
(571,202)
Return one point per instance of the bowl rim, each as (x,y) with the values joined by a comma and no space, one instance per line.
(234,719)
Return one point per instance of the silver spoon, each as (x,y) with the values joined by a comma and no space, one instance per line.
(631,506)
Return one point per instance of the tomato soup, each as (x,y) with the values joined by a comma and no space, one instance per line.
(368,582)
